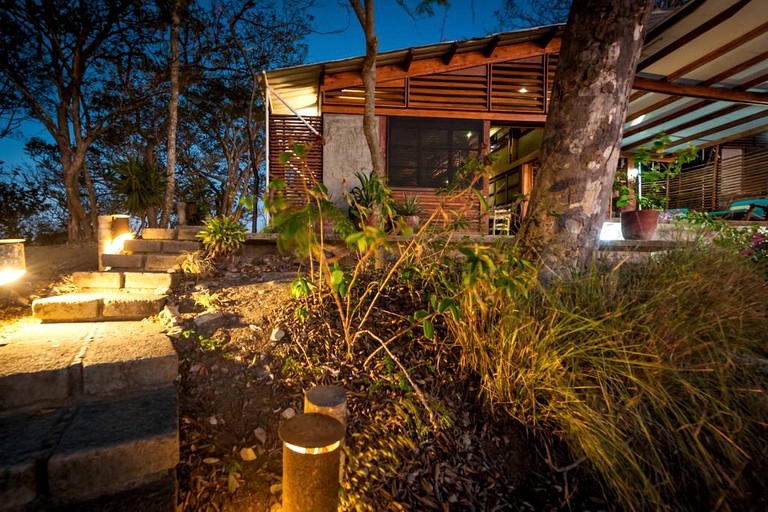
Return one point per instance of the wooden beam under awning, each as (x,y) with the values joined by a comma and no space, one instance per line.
(699,91)
(436,65)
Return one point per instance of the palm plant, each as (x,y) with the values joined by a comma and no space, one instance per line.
(142,184)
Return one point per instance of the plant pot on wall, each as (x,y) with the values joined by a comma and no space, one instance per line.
(639,224)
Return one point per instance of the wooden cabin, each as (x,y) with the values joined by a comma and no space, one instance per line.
(701,79)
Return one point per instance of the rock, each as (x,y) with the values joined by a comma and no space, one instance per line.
(247,454)
(213,421)
(170,316)
(275,488)
(194,368)
(277,334)
(175,332)
(262,373)
(260,434)
(254,328)
(288,413)
(209,321)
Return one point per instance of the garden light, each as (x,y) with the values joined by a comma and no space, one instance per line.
(12,262)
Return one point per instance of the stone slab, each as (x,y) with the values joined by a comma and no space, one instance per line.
(179,246)
(128,356)
(152,280)
(111,447)
(131,306)
(161,262)
(98,279)
(123,260)
(40,364)
(158,234)
(143,245)
(26,441)
(158,493)
(74,307)
(188,232)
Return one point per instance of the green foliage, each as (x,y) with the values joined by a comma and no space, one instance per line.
(652,374)
(194,263)
(222,237)
(371,201)
(656,174)
(141,183)
(206,343)
(409,206)
(207,300)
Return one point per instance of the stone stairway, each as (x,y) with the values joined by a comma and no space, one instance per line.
(88,403)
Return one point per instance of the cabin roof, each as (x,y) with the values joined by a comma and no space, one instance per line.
(702,76)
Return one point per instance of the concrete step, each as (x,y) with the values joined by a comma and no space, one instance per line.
(139,262)
(56,457)
(58,364)
(98,306)
(161,246)
(132,280)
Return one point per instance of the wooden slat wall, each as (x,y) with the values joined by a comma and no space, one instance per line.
(738,177)
(429,200)
(284,131)
(487,88)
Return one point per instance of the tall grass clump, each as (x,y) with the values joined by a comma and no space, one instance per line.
(654,374)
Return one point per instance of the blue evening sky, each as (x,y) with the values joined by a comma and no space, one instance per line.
(338,35)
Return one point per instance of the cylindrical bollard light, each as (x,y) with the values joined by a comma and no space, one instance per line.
(311,445)
(328,400)
(12,262)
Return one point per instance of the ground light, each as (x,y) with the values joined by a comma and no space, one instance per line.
(121,231)
(12,262)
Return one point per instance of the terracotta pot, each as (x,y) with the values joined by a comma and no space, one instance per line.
(413,221)
(639,224)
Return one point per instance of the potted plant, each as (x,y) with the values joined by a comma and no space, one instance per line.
(409,209)
(656,171)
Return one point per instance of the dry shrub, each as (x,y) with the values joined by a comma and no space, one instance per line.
(655,374)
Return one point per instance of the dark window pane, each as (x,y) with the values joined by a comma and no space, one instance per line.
(427,152)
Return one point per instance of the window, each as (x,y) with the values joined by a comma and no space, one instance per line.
(427,152)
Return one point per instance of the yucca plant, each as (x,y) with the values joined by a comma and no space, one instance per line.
(141,183)
(222,237)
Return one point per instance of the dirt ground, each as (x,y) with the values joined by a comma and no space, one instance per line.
(247,371)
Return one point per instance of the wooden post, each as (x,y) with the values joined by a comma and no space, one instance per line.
(715,176)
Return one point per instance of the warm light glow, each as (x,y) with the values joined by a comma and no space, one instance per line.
(637,121)
(469,135)
(313,451)
(116,246)
(11,274)
(523,90)
(611,231)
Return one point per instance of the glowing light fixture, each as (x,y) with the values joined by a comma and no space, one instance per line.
(12,262)
(469,135)
(121,231)
(523,90)
(637,121)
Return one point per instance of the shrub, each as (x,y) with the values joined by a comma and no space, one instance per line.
(222,237)
(655,375)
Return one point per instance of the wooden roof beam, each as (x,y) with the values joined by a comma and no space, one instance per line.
(447,57)
(693,34)
(548,37)
(699,91)
(488,50)
(675,18)
(436,65)
(408,60)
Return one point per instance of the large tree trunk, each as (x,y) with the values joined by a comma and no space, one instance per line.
(173,116)
(582,137)
(366,18)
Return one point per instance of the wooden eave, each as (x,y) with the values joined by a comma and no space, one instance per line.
(703,76)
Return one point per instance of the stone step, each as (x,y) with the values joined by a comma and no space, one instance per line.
(161,246)
(133,280)
(66,455)
(98,306)
(139,262)
(56,364)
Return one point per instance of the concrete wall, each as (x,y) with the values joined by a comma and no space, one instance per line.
(345,152)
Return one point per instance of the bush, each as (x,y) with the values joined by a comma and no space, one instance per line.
(222,237)
(654,375)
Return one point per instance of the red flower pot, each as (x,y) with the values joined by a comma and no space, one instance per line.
(639,224)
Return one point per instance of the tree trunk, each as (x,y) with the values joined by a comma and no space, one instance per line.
(173,117)
(366,18)
(582,136)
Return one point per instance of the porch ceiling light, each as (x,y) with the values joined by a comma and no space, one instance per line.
(637,121)
(12,262)
(523,90)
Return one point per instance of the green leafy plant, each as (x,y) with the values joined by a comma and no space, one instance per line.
(656,173)
(371,201)
(207,300)
(222,237)
(408,206)
(194,263)
(141,183)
